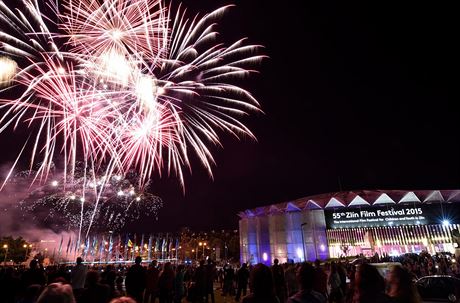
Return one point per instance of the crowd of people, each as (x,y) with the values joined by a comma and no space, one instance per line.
(342,281)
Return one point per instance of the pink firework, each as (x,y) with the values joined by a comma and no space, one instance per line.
(127,86)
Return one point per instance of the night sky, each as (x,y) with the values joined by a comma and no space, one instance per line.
(356,95)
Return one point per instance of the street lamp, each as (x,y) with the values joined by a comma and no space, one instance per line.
(200,244)
(5,246)
(204,245)
(25,256)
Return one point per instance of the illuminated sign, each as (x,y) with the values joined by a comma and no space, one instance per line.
(389,215)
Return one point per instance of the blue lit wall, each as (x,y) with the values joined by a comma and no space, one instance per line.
(282,236)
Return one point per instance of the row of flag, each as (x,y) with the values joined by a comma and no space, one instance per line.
(120,247)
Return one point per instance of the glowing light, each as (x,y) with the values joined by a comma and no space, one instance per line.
(160,91)
(120,193)
(299,253)
(322,247)
(265,256)
(445,222)
(394,253)
(145,91)
(72,197)
(54,183)
(7,70)
(425,241)
(138,198)
(114,67)
(117,34)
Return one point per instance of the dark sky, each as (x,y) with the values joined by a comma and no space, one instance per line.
(356,95)
(356,91)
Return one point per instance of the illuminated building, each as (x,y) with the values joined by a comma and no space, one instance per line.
(351,223)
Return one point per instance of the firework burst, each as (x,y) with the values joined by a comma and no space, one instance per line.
(122,85)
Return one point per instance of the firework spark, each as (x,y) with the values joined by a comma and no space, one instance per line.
(59,203)
(123,85)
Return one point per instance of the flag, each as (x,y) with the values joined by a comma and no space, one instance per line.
(102,248)
(86,247)
(109,255)
(149,252)
(163,248)
(128,240)
(141,249)
(68,245)
(118,247)
(157,243)
(134,248)
(60,245)
(177,246)
(76,246)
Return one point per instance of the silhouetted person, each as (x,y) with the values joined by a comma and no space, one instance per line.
(135,280)
(261,280)
(279,280)
(166,283)
(108,278)
(200,281)
(210,277)
(370,285)
(343,278)
(401,286)
(179,288)
(95,292)
(31,294)
(57,293)
(306,278)
(78,276)
(336,293)
(34,275)
(9,285)
(320,281)
(151,288)
(242,279)
(229,275)
(123,300)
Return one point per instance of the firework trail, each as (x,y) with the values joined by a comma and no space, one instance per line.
(121,86)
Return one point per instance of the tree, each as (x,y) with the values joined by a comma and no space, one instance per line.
(14,249)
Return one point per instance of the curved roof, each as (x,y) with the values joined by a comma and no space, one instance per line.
(356,199)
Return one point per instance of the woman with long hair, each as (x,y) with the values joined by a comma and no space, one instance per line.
(402,288)
(336,294)
(370,286)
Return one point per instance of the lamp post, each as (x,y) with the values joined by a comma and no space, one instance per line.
(5,246)
(199,244)
(303,241)
(204,245)
(25,256)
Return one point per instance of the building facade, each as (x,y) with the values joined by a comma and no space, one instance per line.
(351,223)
